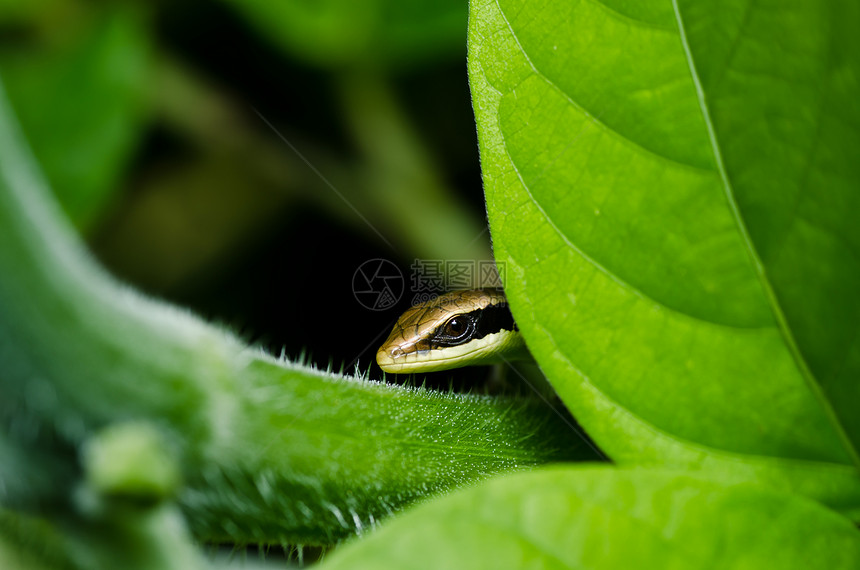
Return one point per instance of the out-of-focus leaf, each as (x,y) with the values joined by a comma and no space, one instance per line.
(82,107)
(606,518)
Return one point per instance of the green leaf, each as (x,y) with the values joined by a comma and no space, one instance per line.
(96,376)
(376,33)
(609,518)
(652,190)
(83,107)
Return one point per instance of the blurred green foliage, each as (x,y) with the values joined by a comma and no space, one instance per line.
(101,88)
(192,142)
(370,34)
(80,94)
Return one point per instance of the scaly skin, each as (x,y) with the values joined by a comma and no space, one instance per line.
(411,348)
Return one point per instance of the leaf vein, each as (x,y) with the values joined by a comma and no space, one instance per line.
(595,118)
(630,19)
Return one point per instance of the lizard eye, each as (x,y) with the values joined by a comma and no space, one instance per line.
(456,326)
(457,330)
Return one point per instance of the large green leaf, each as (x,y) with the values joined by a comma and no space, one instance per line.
(593,518)
(672,189)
